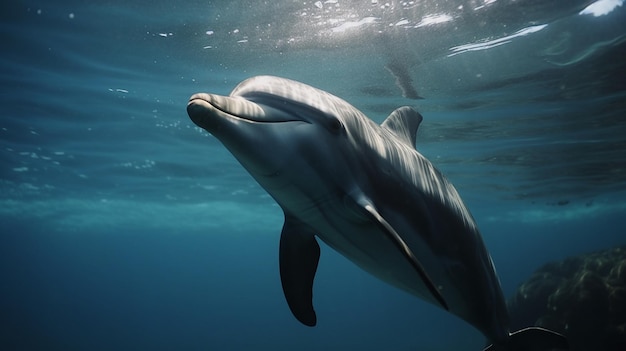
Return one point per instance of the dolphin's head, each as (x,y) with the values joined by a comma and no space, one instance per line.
(274,125)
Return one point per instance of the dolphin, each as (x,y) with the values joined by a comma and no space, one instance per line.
(364,190)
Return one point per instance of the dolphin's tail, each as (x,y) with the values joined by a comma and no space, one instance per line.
(532,339)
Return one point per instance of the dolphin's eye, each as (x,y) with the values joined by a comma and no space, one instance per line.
(335,125)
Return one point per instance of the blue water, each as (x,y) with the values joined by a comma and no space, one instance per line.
(123,226)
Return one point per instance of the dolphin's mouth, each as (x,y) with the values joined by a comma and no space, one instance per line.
(202,108)
(243,127)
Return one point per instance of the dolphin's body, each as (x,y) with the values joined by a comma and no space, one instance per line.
(368,193)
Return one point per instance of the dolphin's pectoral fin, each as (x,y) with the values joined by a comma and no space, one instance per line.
(299,255)
(403,122)
(532,338)
(406,251)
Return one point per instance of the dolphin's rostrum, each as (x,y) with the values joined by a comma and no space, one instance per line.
(366,192)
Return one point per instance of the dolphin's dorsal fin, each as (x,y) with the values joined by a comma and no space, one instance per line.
(403,122)
(298,258)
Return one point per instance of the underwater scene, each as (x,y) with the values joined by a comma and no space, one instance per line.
(134,219)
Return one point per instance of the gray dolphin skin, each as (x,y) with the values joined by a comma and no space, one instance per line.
(364,190)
